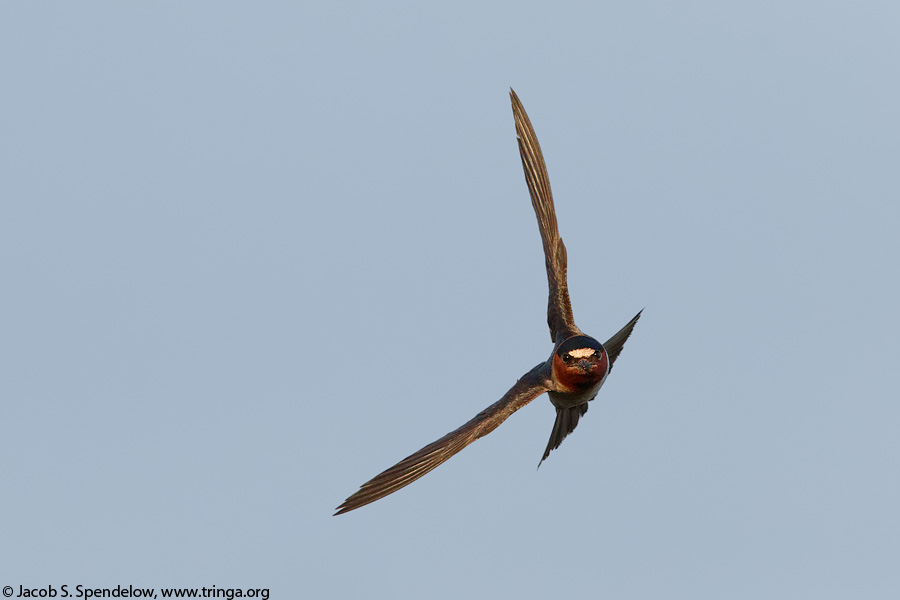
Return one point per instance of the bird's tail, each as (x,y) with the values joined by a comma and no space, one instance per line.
(566,421)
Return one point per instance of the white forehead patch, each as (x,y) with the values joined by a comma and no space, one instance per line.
(582,352)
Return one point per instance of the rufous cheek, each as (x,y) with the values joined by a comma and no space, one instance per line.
(559,367)
(574,379)
(562,374)
(604,363)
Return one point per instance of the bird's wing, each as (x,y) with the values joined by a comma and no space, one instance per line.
(614,344)
(559,309)
(529,387)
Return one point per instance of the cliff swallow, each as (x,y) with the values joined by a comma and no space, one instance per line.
(572,375)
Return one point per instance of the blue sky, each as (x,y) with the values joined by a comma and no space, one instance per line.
(252,256)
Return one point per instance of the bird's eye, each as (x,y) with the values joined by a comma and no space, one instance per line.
(567,357)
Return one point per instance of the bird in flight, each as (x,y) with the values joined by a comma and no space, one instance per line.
(572,375)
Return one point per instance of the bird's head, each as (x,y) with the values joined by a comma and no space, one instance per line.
(580,362)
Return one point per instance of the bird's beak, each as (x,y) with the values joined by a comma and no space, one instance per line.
(585,365)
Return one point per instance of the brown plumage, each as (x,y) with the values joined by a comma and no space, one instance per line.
(571,376)
(526,389)
(559,307)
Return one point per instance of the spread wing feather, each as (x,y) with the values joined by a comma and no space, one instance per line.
(529,387)
(559,308)
(615,344)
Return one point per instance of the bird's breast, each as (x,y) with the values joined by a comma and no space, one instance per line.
(562,399)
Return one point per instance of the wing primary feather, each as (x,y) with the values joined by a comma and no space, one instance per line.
(559,306)
(526,389)
(615,344)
